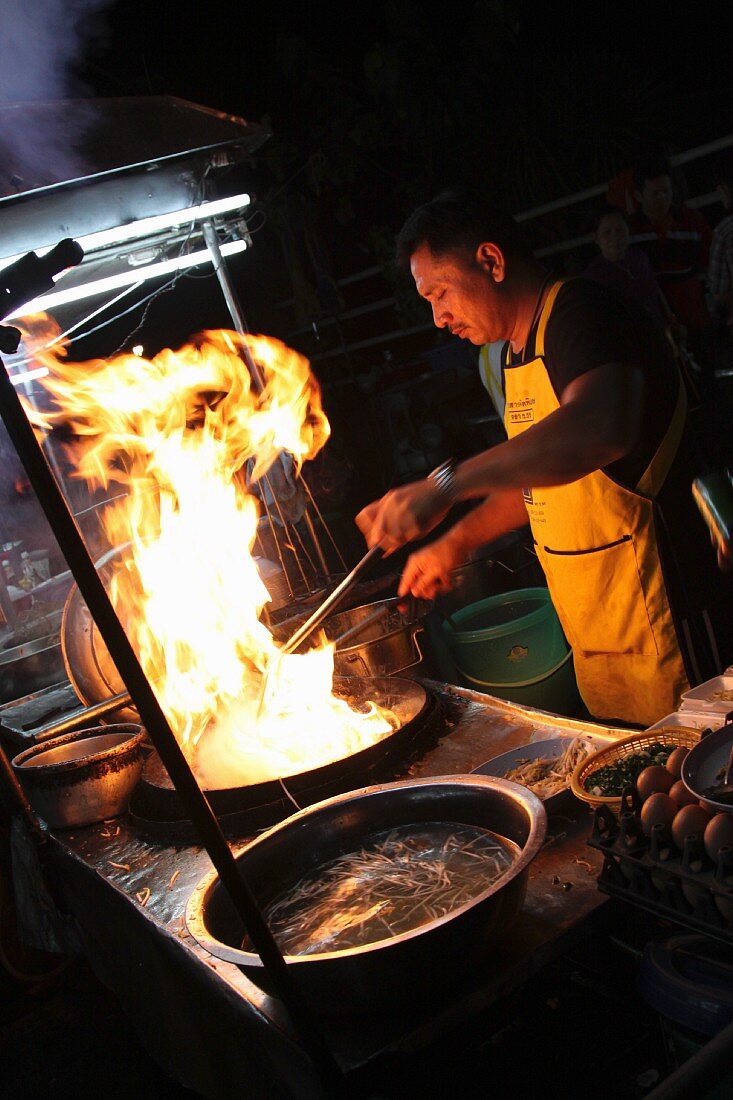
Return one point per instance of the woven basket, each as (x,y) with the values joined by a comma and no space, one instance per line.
(638,742)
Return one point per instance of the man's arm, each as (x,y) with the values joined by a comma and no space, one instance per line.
(428,570)
(598,422)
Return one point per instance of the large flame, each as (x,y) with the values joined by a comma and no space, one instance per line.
(184,433)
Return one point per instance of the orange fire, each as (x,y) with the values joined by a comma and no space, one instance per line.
(178,433)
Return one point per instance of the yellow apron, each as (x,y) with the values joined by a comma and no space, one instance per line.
(597,546)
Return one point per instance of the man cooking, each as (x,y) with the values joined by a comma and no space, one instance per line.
(599,455)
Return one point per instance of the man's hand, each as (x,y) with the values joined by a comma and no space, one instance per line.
(428,570)
(402,515)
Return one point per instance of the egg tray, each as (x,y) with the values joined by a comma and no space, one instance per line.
(651,872)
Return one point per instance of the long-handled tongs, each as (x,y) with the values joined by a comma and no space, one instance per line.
(319,615)
(339,593)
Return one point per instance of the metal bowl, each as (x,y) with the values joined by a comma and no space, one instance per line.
(426,961)
(82,777)
(703,764)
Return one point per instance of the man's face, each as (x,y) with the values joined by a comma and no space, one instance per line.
(612,237)
(656,198)
(462,293)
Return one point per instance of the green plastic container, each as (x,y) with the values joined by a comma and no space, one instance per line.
(512,638)
(555,690)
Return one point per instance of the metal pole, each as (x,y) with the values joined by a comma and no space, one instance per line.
(310,527)
(17,798)
(222,274)
(197,806)
(240,324)
(85,717)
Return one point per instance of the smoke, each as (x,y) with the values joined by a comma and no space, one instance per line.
(41,43)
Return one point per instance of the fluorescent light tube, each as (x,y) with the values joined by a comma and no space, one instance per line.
(145,227)
(28,376)
(123,278)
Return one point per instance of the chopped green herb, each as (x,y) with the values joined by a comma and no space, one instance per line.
(612,779)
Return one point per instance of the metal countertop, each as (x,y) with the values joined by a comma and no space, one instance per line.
(123,901)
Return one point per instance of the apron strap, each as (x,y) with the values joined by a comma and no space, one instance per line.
(539,340)
(652,479)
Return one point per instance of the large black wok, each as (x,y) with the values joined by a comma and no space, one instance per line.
(258,804)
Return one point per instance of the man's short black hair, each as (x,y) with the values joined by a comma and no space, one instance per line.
(458,220)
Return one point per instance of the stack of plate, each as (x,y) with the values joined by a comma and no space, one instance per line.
(714,697)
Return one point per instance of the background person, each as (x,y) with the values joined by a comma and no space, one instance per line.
(598,455)
(677,241)
(625,267)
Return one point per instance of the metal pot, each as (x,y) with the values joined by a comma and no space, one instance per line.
(380,638)
(422,963)
(82,777)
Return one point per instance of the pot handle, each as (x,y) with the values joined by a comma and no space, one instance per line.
(417,630)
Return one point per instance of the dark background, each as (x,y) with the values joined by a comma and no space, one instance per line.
(374,106)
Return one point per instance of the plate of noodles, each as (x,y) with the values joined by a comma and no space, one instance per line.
(545,767)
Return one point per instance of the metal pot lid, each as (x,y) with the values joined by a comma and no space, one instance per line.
(89,666)
(91,671)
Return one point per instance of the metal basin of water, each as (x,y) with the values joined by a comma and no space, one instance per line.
(425,962)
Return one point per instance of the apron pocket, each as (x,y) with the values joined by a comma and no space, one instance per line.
(599,596)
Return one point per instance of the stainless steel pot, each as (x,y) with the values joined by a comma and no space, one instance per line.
(421,964)
(82,777)
(380,638)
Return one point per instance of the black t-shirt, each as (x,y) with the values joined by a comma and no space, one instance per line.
(593,325)
(590,326)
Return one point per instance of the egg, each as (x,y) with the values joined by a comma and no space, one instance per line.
(690,819)
(679,792)
(658,809)
(674,760)
(718,833)
(653,779)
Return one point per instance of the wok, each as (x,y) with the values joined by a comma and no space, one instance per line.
(421,721)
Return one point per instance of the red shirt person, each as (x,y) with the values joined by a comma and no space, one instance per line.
(677,241)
